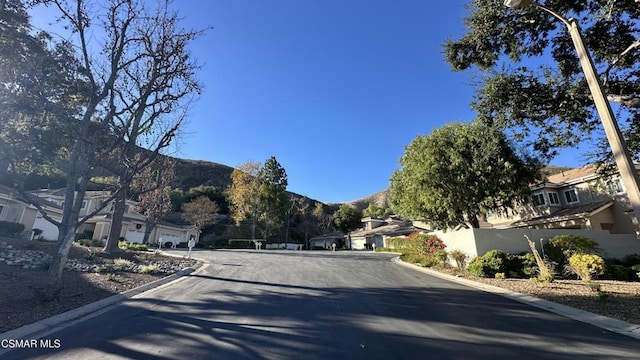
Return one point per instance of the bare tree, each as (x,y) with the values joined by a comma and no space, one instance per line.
(139,78)
(200,212)
(152,103)
(154,188)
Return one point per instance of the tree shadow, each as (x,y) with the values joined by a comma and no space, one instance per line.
(248,319)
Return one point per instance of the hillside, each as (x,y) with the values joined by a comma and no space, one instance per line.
(381,198)
(192,173)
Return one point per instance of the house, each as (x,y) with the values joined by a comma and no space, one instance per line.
(573,199)
(377,231)
(97,226)
(16,209)
(326,240)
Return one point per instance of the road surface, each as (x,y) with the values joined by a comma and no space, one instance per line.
(323,305)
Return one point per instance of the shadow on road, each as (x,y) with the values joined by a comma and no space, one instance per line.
(246,319)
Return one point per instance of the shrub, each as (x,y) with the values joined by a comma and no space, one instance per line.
(586,266)
(11,229)
(561,247)
(618,272)
(433,246)
(487,265)
(149,269)
(242,244)
(424,249)
(460,258)
(122,263)
(524,265)
(90,242)
(630,260)
(105,268)
(132,246)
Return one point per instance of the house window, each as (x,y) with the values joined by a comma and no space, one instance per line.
(614,186)
(553,198)
(571,196)
(538,199)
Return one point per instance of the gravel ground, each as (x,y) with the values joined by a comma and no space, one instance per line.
(616,299)
(23,264)
(89,275)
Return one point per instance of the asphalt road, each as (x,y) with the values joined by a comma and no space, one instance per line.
(324,305)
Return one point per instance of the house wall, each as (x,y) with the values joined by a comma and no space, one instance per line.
(623,221)
(476,242)
(49,231)
(18,212)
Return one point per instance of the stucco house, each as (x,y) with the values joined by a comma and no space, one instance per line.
(14,208)
(97,227)
(573,199)
(377,231)
(325,241)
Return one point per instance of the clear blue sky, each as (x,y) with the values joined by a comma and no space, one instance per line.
(334,89)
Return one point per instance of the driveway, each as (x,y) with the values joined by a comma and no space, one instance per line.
(324,305)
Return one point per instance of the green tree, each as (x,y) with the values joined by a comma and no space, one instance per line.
(543,99)
(41,89)
(346,219)
(375,210)
(273,194)
(458,173)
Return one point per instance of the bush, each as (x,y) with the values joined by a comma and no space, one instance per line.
(586,266)
(489,264)
(424,249)
(630,260)
(618,272)
(132,246)
(561,247)
(242,244)
(90,242)
(11,229)
(460,258)
(524,265)
(149,269)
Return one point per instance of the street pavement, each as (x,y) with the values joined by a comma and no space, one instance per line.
(319,305)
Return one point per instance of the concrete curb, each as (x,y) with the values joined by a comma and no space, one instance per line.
(613,325)
(57,322)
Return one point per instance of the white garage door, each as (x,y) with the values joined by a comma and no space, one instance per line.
(134,236)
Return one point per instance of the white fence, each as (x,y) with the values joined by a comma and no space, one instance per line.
(288,246)
(476,242)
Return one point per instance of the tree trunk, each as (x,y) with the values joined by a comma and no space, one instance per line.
(119,204)
(70,213)
(473,220)
(148,228)
(254,224)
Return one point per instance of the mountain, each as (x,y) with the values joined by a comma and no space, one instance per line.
(381,198)
(192,173)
